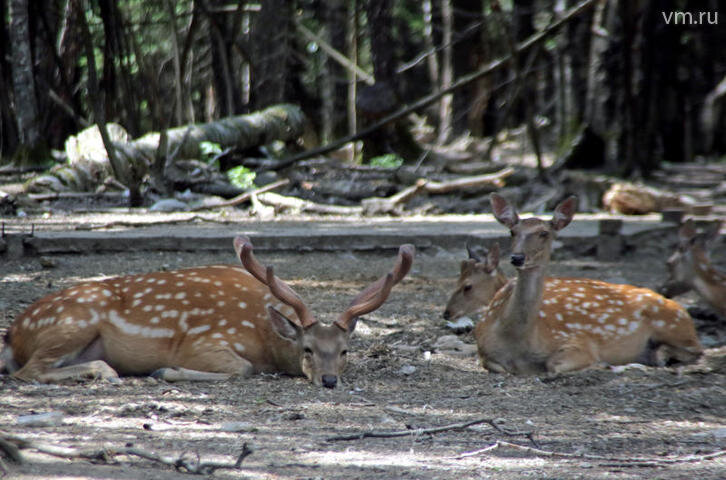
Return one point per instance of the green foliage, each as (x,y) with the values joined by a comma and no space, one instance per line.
(241,177)
(389,160)
(209,150)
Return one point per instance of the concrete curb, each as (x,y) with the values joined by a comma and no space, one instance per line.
(299,236)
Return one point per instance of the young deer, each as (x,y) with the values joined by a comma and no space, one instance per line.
(690,267)
(479,280)
(576,322)
(205,323)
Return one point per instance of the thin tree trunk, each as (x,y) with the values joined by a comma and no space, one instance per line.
(352,48)
(447,71)
(25,99)
(178,81)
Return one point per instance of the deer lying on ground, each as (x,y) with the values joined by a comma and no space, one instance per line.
(690,267)
(576,323)
(205,323)
(479,279)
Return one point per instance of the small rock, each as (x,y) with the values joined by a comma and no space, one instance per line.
(46,262)
(169,205)
(407,369)
(48,419)
(461,325)
(448,342)
(240,427)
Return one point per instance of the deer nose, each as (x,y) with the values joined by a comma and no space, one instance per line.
(517,259)
(329,381)
(447,315)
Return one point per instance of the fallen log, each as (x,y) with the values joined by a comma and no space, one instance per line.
(88,165)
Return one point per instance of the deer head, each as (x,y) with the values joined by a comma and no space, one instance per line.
(479,279)
(532,237)
(322,348)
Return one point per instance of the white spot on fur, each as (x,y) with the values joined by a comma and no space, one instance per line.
(248,324)
(239,347)
(133,329)
(180,295)
(242,305)
(199,329)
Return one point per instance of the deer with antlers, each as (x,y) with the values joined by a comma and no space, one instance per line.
(206,323)
(479,279)
(575,323)
(690,267)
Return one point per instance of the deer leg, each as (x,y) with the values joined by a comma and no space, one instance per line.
(570,357)
(210,367)
(96,369)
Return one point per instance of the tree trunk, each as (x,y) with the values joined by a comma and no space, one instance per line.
(468,53)
(351,41)
(447,71)
(270,37)
(25,99)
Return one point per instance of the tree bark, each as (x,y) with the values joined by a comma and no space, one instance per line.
(24,95)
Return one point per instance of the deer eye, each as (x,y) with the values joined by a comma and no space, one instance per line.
(344,353)
(544,234)
(308,351)
(467,288)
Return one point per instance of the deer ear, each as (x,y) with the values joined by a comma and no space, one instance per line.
(504,211)
(283,326)
(564,213)
(467,266)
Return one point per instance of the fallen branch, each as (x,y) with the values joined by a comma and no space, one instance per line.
(622,461)
(107,455)
(425,431)
(244,197)
(301,205)
(41,197)
(494,180)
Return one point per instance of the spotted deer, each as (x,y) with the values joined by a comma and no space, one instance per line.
(575,323)
(206,323)
(479,279)
(690,267)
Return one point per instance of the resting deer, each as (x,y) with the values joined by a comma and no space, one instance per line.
(690,266)
(576,323)
(479,279)
(205,323)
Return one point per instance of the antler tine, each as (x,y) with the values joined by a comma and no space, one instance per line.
(376,293)
(277,287)
(243,247)
(287,295)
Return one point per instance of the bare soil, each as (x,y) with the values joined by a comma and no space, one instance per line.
(668,417)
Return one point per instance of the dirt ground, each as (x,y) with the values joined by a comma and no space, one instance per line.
(669,418)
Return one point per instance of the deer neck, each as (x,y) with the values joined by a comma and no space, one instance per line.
(284,355)
(525,301)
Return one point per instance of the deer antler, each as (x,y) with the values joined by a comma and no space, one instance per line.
(376,293)
(282,291)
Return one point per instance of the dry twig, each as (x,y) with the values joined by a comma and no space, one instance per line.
(242,197)
(425,431)
(184,462)
(620,461)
